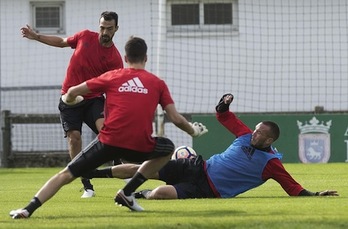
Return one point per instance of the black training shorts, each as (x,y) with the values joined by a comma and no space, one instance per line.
(97,154)
(88,111)
(188,178)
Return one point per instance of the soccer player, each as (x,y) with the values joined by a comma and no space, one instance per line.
(95,54)
(132,97)
(247,163)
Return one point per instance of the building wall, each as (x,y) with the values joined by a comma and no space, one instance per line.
(286,56)
(284,52)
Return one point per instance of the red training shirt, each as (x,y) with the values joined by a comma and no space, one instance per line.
(132,96)
(90,59)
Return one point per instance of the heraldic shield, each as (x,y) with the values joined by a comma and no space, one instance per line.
(314,148)
(314,141)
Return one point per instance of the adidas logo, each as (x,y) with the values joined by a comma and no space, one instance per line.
(249,151)
(133,85)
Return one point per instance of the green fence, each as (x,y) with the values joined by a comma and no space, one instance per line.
(306,138)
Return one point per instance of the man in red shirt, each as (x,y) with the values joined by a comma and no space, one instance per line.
(246,164)
(132,97)
(95,54)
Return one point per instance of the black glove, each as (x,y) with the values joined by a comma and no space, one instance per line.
(222,106)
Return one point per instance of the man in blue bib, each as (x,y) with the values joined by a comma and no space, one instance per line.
(246,164)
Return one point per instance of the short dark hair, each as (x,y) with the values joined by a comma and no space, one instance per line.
(274,129)
(110,15)
(136,49)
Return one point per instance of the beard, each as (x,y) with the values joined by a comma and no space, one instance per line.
(105,39)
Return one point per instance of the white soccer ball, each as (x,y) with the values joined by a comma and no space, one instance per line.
(184,152)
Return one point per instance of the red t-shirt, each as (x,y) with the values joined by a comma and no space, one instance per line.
(90,59)
(132,97)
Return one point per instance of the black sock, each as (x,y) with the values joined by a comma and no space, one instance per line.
(103,173)
(33,205)
(137,180)
(117,162)
(86,183)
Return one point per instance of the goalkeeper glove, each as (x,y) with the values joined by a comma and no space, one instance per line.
(77,100)
(222,106)
(199,129)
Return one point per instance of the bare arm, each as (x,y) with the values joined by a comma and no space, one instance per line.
(178,120)
(74,94)
(55,41)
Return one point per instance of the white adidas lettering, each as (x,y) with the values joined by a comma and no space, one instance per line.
(133,85)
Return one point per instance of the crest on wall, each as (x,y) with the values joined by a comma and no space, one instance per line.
(314,141)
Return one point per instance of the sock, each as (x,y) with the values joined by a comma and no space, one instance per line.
(117,161)
(33,205)
(86,183)
(137,180)
(146,193)
(103,173)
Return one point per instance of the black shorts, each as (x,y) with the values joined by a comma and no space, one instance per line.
(88,111)
(97,154)
(188,178)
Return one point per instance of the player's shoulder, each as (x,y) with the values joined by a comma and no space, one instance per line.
(145,74)
(86,32)
(156,79)
(153,76)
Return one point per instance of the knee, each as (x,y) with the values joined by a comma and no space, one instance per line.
(163,192)
(157,194)
(65,176)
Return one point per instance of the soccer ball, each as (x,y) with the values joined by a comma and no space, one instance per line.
(184,152)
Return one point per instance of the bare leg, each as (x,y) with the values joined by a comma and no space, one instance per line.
(75,147)
(48,190)
(52,186)
(124,171)
(74,142)
(146,170)
(162,192)
(151,167)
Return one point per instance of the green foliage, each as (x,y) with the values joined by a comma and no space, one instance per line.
(265,207)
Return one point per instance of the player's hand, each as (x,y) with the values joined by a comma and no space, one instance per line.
(29,33)
(77,100)
(199,129)
(224,103)
(328,193)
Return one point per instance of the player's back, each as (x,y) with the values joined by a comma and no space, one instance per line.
(132,96)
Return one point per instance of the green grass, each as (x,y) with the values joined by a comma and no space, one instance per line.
(265,207)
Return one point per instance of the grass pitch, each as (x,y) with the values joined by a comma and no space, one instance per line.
(265,207)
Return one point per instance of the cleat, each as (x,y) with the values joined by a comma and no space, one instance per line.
(88,193)
(127,201)
(142,194)
(19,214)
